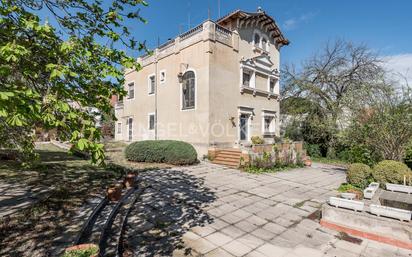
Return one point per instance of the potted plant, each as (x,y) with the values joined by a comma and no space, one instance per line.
(82,250)
(114,192)
(130,179)
(308,162)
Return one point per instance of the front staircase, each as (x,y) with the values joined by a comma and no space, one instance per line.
(228,157)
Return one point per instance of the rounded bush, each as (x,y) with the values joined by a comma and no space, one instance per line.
(358,175)
(390,172)
(161,151)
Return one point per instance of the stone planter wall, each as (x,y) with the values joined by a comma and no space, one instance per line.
(284,152)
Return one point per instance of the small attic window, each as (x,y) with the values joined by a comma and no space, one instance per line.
(257,40)
(264,44)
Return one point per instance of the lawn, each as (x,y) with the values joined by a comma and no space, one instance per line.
(45,200)
(335,162)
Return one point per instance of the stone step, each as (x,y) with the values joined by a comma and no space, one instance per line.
(230,150)
(227,158)
(234,164)
(229,155)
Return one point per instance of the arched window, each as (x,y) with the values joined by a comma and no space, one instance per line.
(257,39)
(188,90)
(264,44)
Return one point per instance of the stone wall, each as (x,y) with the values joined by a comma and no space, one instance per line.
(279,152)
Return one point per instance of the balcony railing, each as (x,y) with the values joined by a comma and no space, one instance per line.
(119,105)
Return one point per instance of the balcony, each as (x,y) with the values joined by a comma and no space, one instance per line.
(259,92)
(119,105)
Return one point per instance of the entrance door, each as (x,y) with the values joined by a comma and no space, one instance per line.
(130,123)
(244,127)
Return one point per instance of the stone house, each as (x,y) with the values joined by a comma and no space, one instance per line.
(216,85)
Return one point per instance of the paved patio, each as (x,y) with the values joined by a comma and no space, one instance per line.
(232,213)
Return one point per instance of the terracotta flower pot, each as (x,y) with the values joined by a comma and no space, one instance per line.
(129,180)
(83,247)
(308,162)
(114,193)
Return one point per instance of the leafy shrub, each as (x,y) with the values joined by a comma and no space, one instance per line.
(313,150)
(256,140)
(359,175)
(161,151)
(408,155)
(389,171)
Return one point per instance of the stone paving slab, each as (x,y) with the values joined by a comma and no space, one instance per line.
(267,215)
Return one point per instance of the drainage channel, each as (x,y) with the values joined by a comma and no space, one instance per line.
(105,226)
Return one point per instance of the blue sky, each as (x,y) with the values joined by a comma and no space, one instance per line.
(385,26)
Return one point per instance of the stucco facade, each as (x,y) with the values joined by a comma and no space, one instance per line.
(235,86)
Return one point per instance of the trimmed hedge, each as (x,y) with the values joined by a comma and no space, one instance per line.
(358,175)
(390,172)
(161,151)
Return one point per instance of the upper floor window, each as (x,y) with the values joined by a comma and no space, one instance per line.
(257,40)
(264,44)
(130,90)
(162,76)
(246,79)
(152,84)
(272,86)
(261,40)
(188,90)
(151,121)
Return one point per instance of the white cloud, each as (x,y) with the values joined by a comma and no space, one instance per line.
(293,23)
(400,64)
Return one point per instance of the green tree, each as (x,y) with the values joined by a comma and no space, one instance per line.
(330,84)
(384,127)
(50,75)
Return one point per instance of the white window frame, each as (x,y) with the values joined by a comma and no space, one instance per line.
(257,44)
(181,92)
(261,37)
(275,80)
(128,128)
(252,73)
(164,77)
(149,84)
(134,90)
(119,128)
(148,120)
(272,126)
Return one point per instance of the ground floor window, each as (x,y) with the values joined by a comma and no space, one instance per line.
(119,128)
(130,128)
(269,123)
(151,121)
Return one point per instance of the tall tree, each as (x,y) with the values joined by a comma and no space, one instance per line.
(50,74)
(331,83)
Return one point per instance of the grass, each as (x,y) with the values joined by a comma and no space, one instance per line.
(325,160)
(259,170)
(344,187)
(55,189)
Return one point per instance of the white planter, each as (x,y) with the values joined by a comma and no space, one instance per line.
(396,213)
(349,204)
(370,191)
(399,188)
(374,185)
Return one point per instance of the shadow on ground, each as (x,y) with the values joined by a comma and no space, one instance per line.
(172,203)
(39,206)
